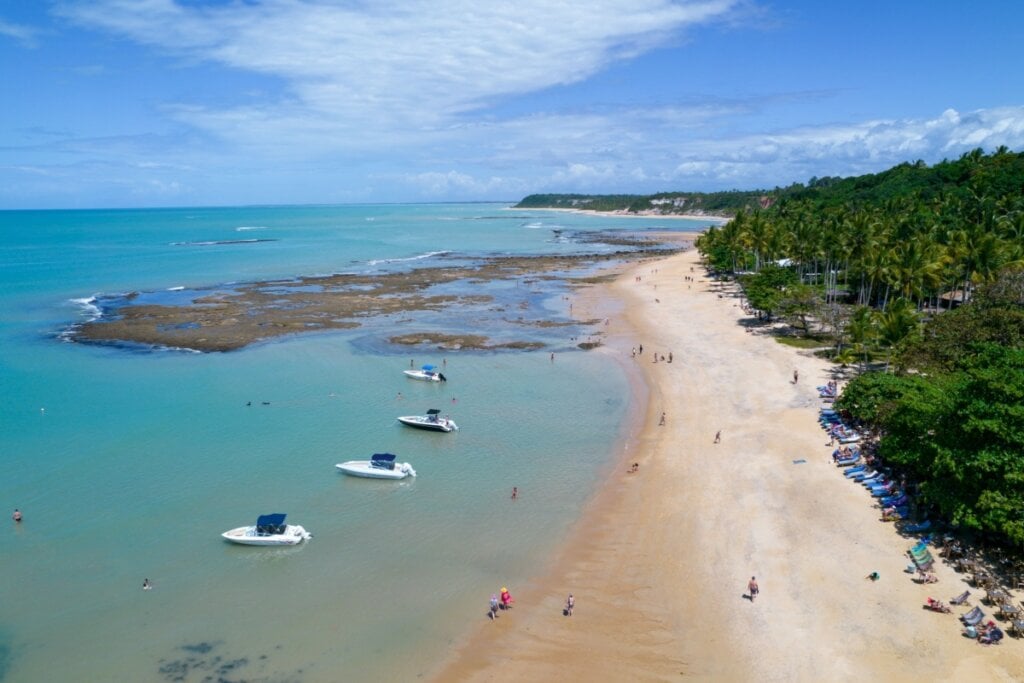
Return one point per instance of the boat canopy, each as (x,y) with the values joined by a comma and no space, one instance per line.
(385,461)
(271,524)
(433,411)
(428,368)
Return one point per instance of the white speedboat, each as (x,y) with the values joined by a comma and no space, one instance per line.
(268,530)
(432,421)
(380,466)
(427,373)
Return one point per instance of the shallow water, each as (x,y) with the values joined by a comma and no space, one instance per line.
(129,464)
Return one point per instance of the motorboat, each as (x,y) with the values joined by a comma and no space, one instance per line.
(268,530)
(380,466)
(432,421)
(427,373)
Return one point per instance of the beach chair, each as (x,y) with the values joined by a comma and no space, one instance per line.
(856,469)
(974,617)
(917,528)
(895,501)
(890,514)
(961,599)
(919,553)
(1016,627)
(923,561)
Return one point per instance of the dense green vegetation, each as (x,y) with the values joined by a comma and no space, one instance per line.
(923,267)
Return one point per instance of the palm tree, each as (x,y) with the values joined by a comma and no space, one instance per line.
(862,330)
(896,324)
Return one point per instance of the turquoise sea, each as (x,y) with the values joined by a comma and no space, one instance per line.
(128,463)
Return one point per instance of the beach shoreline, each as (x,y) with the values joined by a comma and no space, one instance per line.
(631,214)
(660,558)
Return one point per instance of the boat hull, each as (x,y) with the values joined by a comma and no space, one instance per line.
(422,376)
(246,535)
(421,422)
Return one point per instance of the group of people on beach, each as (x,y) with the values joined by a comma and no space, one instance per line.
(504,602)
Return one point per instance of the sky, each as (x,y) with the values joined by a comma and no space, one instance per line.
(137,103)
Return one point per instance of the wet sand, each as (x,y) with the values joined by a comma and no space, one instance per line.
(659,562)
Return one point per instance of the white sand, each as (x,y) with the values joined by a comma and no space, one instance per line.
(661,559)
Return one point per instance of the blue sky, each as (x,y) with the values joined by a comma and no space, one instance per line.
(122,103)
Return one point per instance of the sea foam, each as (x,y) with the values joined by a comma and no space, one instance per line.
(418,257)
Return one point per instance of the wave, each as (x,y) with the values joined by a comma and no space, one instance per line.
(534,226)
(211,243)
(247,228)
(418,257)
(89,308)
(175,289)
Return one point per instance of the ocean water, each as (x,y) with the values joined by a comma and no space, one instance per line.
(128,463)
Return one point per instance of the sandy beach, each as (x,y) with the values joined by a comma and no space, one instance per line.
(659,562)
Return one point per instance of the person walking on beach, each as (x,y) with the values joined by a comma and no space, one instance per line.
(494,606)
(752,588)
(718,436)
(661,423)
(796,376)
(570,602)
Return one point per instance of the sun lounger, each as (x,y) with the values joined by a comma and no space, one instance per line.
(961,599)
(922,558)
(893,514)
(1017,626)
(919,553)
(917,528)
(974,617)
(856,469)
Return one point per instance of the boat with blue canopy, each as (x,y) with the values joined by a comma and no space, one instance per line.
(431,421)
(427,373)
(269,530)
(379,466)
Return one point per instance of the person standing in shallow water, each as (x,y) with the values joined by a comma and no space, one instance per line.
(17,515)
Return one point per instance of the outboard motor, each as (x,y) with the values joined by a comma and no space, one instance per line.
(441,376)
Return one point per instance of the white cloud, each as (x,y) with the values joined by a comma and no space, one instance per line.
(398,64)
(26,35)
